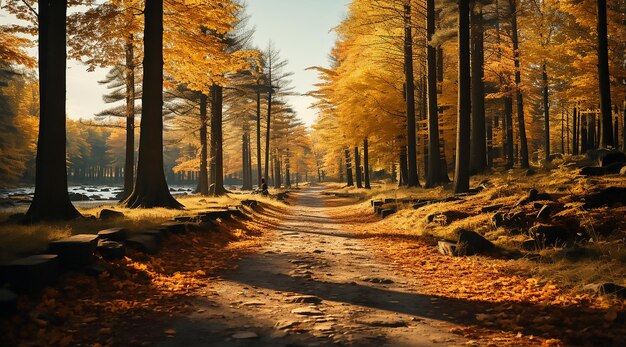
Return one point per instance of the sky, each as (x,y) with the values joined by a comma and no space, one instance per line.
(300,29)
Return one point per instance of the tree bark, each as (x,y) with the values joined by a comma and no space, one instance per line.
(216,140)
(546,113)
(151,189)
(129,162)
(478,150)
(403,167)
(412,180)
(575,131)
(203,181)
(583,132)
(357,167)
(518,92)
(258,133)
(269,119)
(51,200)
(462,169)
(606,134)
(349,169)
(591,131)
(366,163)
(435,174)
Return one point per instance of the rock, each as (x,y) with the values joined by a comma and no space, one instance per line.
(550,235)
(305,299)
(78,197)
(606,197)
(106,214)
(530,245)
(614,168)
(530,172)
(250,203)
(377,203)
(491,208)
(240,335)
(545,212)
(158,235)
(111,250)
(532,195)
(307,311)
(33,273)
(286,325)
(612,157)
(376,280)
(143,243)
(497,219)
(174,227)
(470,243)
(623,171)
(213,215)
(235,211)
(592,171)
(75,251)
(387,212)
(447,248)
(8,302)
(113,234)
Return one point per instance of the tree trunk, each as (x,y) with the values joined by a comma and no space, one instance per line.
(575,131)
(624,126)
(151,189)
(562,132)
(412,180)
(287,171)
(349,169)
(269,119)
(435,176)
(518,92)
(129,162)
(366,163)
(340,170)
(462,169)
(357,167)
(51,200)
(216,140)
(403,167)
(244,163)
(258,133)
(591,131)
(478,150)
(203,181)
(583,133)
(606,134)
(546,113)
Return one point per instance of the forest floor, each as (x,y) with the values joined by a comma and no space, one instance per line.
(324,270)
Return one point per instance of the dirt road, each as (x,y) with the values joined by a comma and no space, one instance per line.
(313,285)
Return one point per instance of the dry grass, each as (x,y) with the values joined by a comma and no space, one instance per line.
(22,240)
(603,259)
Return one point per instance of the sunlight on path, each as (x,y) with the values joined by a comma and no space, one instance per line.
(313,286)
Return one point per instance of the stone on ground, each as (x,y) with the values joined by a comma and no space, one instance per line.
(305,299)
(550,235)
(33,273)
(613,157)
(447,248)
(471,243)
(240,335)
(307,311)
(143,243)
(111,250)
(75,251)
(107,214)
(113,234)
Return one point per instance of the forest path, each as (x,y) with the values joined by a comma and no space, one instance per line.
(314,285)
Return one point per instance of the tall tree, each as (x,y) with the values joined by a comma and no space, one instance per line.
(435,173)
(478,148)
(521,123)
(51,200)
(606,133)
(412,179)
(151,189)
(217,150)
(366,163)
(462,170)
